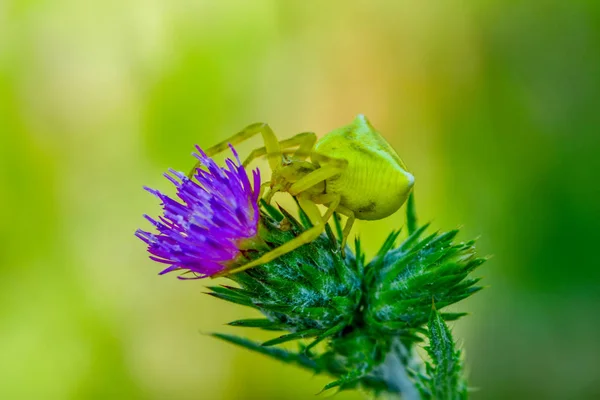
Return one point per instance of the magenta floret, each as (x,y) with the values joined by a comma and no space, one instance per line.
(202,231)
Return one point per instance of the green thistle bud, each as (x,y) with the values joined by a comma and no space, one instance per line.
(403,282)
(311,292)
(368,316)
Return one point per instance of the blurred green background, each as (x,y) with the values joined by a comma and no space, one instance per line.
(493,105)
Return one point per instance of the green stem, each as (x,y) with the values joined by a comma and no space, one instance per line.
(394,373)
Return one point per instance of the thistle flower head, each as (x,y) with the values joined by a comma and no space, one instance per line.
(202,232)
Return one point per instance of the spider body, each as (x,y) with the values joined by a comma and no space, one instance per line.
(375,183)
(351,170)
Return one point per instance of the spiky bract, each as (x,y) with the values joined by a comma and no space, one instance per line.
(359,311)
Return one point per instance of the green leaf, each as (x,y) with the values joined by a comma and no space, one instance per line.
(331,236)
(303,217)
(301,359)
(263,323)
(231,291)
(413,237)
(389,243)
(231,296)
(274,352)
(293,221)
(453,316)
(293,336)
(324,335)
(338,225)
(445,368)
(272,211)
(346,381)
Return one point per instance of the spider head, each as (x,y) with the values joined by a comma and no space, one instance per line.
(290,172)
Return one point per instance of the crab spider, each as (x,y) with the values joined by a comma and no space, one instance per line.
(352,171)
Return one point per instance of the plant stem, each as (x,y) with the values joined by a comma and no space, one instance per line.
(394,372)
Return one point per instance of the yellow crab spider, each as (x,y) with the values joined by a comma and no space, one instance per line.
(352,170)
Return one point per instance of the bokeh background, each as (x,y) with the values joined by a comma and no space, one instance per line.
(493,105)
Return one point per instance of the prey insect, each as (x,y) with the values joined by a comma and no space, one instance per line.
(351,170)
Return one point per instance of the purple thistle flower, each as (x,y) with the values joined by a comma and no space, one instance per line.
(202,233)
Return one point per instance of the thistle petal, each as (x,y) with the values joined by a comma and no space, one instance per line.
(199,232)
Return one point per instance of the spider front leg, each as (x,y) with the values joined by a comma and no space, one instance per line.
(305,142)
(313,213)
(271,144)
(329,168)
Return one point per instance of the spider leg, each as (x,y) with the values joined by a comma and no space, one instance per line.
(333,167)
(305,142)
(306,147)
(329,164)
(309,235)
(271,144)
(348,227)
(330,199)
(334,199)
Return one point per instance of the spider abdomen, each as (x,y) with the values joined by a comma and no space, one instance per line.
(372,190)
(375,182)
